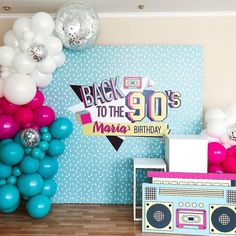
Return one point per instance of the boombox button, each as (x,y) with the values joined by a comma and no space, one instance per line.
(201,205)
(187,204)
(181,204)
(194,204)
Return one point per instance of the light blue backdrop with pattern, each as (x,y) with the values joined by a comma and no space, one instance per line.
(90,170)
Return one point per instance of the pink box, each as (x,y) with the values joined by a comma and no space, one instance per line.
(85,118)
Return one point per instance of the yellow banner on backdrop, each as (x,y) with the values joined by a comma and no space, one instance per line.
(126,129)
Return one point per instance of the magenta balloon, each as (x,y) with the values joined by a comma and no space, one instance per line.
(8,126)
(37,101)
(8,107)
(229,164)
(216,153)
(43,116)
(215,169)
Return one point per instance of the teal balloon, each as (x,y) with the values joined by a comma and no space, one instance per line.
(61,128)
(9,196)
(28,150)
(5,171)
(44,145)
(36,152)
(12,180)
(48,167)
(17,137)
(46,136)
(38,206)
(3,182)
(12,209)
(56,147)
(29,165)
(11,153)
(16,171)
(3,142)
(42,156)
(44,129)
(30,185)
(49,188)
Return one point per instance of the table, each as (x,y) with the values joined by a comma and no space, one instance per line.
(144,163)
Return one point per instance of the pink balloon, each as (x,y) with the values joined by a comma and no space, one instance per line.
(8,107)
(216,153)
(37,101)
(215,169)
(35,127)
(231,151)
(23,115)
(229,164)
(43,116)
(8,126)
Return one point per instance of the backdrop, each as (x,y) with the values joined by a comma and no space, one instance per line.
(96,168)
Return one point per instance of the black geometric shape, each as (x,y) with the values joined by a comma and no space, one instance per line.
(115,141)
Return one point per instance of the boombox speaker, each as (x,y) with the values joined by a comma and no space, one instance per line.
(159,216)
(222,219)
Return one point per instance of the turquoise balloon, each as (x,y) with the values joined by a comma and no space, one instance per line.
(38,206)
(3,142)
(28,150)
(2,182)
(44,145)
(12,180)
(46,137)
(30,185)
(42,156)
(5,171)
(49,188)
(16,171)
(17,137)
(48,167)
(36,152)
(56,147)
(61,128)
(9,196)
(44,129)
(11,153)
(12,209)
(29,165)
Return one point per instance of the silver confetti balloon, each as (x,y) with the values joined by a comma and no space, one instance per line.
(30,137)
(231,132)
(37,52)
(77,25)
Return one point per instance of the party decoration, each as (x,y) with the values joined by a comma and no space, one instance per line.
(48,167)
(11,153)
(56,147)
(8,126)
(9,196)
(29,165)
(49,188)
(61,128)
(216,153)
(77,25)
(221,124)
(5,171)
(229,164)
(29,137)
(38,206)
(43,116)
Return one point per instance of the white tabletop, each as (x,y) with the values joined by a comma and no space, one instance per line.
(149,163)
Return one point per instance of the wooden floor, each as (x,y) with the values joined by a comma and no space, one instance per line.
(71,219)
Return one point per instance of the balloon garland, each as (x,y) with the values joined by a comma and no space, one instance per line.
(221,133)
(31,137)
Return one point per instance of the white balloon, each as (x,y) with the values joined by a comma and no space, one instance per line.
(10,39)
(20,26)
(28,36)
(216,128)
(60,59)
(53,45)
(42,24)
(47,66)
(41,80)
(23,64)
(6,55)
(214,113)
(231,109)
(1,87)
(19,89)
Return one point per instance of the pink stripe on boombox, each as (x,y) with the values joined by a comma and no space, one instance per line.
(155,174)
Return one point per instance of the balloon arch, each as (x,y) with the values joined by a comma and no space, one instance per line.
(31,136)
